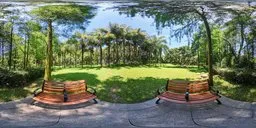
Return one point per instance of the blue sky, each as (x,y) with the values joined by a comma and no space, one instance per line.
(105,16)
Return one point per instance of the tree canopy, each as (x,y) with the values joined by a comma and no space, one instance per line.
(62,14)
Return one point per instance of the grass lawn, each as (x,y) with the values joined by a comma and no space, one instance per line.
(9,94)
(126,84)
(131,84)
(235,91)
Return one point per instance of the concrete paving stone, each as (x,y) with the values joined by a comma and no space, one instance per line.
(234,112)
(171,118)
(144,105)
(221,110)
(107,118)
(29,118)
(225,121)
(234,103)
(147,114)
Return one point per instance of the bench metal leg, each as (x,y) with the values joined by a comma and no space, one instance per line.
(33,102)
(95,101)
(157,102)
(218,101)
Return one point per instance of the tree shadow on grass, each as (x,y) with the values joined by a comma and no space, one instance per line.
(119,90)
(235,91)
(190,68)
(9,94)
(91,79)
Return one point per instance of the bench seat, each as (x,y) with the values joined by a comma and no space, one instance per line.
(193,98)
(188,92)
(54,99)
(53,93)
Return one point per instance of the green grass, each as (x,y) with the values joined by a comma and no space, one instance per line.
(126,84)
(235,91)
(131,84)
(9,94)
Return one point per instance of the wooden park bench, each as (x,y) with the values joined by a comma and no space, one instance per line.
(181,91)
(64,93)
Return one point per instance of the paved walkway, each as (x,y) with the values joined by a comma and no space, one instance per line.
(233,114)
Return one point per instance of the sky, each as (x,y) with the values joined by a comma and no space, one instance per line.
(105,16)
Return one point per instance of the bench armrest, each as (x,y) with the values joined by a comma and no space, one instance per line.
(65,95)
(187,95)
(161,90)
(215,92)
(36,92)
(94,91)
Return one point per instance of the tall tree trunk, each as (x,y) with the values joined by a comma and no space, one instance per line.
(198,58)
(210,56)
(135,52)
(109,55)
(48,60)
(2,47)
(253,54)
(27,63)
(10,50)
(96,55)
(100,56)
(15,59)
(160,55)
(24,55)
(130,52)
(64,59)
(91,56)
(70,59)
(82,63)
(117,53)
(124,51)
(242,42)
(75,60)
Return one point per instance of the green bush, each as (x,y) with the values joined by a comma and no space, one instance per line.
(239,76)
(19,78)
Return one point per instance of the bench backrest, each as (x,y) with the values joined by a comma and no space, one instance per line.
(199,86)
(70,86)
(178,86)
(75,86)
(53,87)
(181,86)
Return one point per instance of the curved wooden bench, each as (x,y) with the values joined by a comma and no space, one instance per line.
(64,93)
(180,91)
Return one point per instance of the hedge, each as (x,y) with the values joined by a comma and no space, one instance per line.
(239,76)
(19,78)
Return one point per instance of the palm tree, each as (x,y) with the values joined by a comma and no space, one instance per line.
(109,37)
(129,37)
(64,50)
(138,37)
(124,31)
(159,44)
(116,30)
(83,42)
(100,33)
(92,42)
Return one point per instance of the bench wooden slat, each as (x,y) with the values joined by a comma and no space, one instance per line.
(177,86)
(53,93)
(53,89)
(199,92)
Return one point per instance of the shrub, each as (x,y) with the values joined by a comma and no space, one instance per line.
(19,78)
(239,76)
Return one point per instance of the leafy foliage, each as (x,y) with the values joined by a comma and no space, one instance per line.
(239,76)
(19,78)
(63,13)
